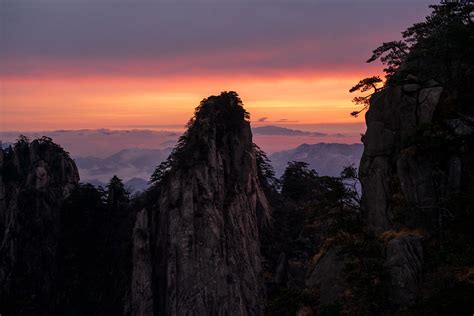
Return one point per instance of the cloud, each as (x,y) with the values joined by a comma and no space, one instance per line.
(204,36)
(284,120)
(262,119)
(101,142)
(280,131)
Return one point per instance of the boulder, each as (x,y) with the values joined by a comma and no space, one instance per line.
(375,175)
(419,180)
(328,277)
(460,127)
(378,140)
(403,265)
(411,87)
(428,100)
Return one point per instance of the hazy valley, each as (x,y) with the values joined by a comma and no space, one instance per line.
(101,154)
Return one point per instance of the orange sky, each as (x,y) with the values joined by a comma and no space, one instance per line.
(118,64)
(122,102)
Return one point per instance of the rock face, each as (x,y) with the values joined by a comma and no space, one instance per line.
(36,178)
(392,167)
(413,162)
(205,227)
(142,291)
(394,118)
(328,277)
(404,260)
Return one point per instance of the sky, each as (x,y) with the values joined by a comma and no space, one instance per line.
(78,64)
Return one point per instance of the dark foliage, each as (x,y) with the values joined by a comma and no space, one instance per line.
(226,112)
(95,253)
(266,173)
(310,210)
(116,192)
(288,300)
(298,181)
(363,86)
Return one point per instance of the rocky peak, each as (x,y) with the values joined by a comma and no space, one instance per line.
(40,164)
(204,228)
(220,123)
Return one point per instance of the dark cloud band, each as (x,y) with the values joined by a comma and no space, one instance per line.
(165,37)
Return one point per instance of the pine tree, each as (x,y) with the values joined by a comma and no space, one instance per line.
(116,192)
(445,35)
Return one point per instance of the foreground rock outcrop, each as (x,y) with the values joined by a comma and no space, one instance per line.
(404,263)
(414,163)
(409,246)
(417,174)
(36,178)
(204,227)
(393,123)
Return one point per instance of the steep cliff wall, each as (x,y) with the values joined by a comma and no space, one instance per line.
(396,118)
(410,247)
(417,169)
(204,228)
(36,178)
(417,176)
(142,283)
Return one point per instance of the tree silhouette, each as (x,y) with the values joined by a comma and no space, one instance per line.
(350,178)
(116,192)
(444,31)
(22,139)
(298,180)
(363,86)
(228,113)
(266,173)
(392,54)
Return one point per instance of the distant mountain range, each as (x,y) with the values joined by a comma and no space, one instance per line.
(283,131)
(100,142)
(326,158)
(5,145)
(100,154)
(105,142)
(135,165)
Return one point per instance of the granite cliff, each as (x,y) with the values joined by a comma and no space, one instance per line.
(65,248)
(36,178)
(204,226)
(416,170)
(417,179)
(408,247)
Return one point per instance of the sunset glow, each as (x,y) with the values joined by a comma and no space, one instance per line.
(135,102)
(74,66)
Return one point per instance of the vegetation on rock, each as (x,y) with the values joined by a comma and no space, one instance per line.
(445,39)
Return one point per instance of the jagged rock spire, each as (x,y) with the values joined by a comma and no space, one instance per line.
(205,234)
